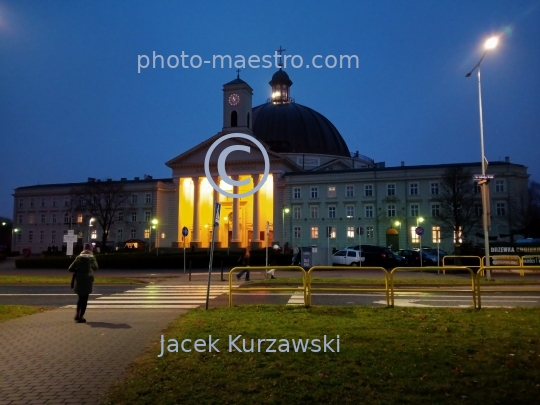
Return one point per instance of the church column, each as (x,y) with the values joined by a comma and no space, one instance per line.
(235,240)
(255,240)
(195,238)
(217,239)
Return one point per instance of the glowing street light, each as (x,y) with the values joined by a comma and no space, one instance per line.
(419,220)
(491,43)
(89,226)
(283,212)
(154,226)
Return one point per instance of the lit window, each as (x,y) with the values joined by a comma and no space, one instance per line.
(147,233)
(94,234)
(414,236)
(349,209)
(350,232)
(436,234)
(368,211)
(314,212)
(368,190)
(331,232)
(413,189)
(349,191)
(79,218)
(332,192)
(314,232)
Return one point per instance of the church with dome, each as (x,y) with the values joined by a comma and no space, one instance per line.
(317,192)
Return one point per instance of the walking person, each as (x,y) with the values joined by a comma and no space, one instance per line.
(244,259)
(83,279)
(273,261)
(296,256)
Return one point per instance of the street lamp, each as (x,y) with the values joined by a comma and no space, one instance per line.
(283,212)
(89,226)
(398,223)
(419,220)
(491,43)
(154,226)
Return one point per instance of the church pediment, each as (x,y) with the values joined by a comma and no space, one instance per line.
(336,164)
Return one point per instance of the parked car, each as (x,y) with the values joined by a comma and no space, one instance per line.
(413,258)
(400,260)
(347,257)
(378,256)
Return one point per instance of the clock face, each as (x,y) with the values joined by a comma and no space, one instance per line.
(234,99)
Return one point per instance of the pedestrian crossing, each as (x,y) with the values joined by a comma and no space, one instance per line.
(157,296)
(297,298)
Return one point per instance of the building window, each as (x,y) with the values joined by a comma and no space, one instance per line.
(501,209)
(119,235)
(297,212)
(79,218)
(391,210)
(41,236)
(147,215)
(350,232)
(21,202)
(148,198)
(331,211)
(30,236)
(332,192)
(134,198)
(147,234)
(499,186)
(54,218)
(349,191)
(368,211)
(297,232)
(43,218)
(368,190)
(435,210)
(390,189)
(55,202)
(30,218)
(314,192)
(436,234)
(434,188)
(314,232)
(66,201)
(43,202)
(120,215)
(370,233)
(31,203)
(133,234)
(20,219)
(67,218)
(19,237)
(134,216)
(349,210)
(413,189)
(414,208)
(331,232)
(314,212)
(94,234)
(414,236)
(53,237)
(296,193)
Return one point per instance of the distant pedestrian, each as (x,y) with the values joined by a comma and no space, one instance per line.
(244,260)
(273,261)
(296,256)
(83,279)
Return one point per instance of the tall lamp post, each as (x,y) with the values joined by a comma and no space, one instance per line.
(491,43)
(419,220)
(89,226)
(398,223)
(154,226)
(283,212)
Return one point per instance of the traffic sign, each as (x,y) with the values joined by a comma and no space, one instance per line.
(217,214)
(483,176)
(419,230)
(359,230)
(185,232)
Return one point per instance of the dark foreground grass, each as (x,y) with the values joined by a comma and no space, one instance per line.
(387,356)
(8,312)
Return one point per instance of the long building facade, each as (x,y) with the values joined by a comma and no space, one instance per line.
(317,192)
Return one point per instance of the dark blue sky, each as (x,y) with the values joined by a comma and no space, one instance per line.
(72,104)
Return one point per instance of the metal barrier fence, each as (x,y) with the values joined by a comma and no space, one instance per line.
(438,290)
(310,287)
(266,268)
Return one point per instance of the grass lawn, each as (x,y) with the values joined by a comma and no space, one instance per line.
(387,356)
(63,280)
(8,312)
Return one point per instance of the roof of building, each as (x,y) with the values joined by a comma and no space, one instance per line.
(91,180)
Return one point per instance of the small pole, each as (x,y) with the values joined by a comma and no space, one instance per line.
(190,270)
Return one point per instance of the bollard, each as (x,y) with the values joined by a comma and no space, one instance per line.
(190,270)
(222,271)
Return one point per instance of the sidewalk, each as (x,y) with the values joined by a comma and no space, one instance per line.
(47,358)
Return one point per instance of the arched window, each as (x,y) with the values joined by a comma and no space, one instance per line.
(234,119)
(248,120)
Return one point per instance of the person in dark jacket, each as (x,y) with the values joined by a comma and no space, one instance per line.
(83,266)
(244,261)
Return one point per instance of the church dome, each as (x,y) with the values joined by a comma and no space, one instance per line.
(289,127)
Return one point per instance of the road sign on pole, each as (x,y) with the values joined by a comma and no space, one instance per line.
(419,230)
(217,211)
(185,232)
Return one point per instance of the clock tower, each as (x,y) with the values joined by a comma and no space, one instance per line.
(237,103)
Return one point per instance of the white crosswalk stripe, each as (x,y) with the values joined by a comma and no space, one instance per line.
(297,298)
(158,296)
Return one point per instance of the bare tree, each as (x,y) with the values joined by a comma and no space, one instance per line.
(101,200)
(458,203)
(528,213)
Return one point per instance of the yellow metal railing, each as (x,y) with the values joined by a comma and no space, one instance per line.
(356,289)
(438,290)
(289,268)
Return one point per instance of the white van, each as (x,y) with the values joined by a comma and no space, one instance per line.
(347,257)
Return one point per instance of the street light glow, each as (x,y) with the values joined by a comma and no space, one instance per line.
(286,210)
(491,43)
